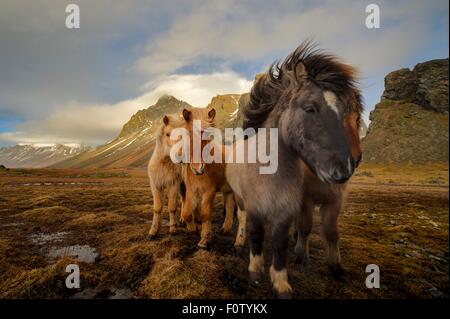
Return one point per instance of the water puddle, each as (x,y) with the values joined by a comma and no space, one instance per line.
(43,238)
(61,183)
(82,253)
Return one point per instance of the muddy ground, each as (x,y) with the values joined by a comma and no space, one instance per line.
(395,217)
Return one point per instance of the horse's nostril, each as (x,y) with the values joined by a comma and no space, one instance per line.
(342,174)
(341,178)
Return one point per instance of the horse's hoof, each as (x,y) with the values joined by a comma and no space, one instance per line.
(239,250)
(191,229)
(284,295)
(181,223)
(337,272)
(226,231)
(281,295)
(301,261)
(172,230)
(203,243)
(255,277)
(152,235)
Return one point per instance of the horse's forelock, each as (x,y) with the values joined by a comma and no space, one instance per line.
(201,114)
(175,121)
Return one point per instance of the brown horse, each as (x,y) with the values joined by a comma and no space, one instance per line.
(329,197)
(164,174)
(204,179)
(306,98)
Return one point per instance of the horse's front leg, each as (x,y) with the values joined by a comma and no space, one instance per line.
(157,208)
(303,224)
(206,214)
(229,216)
(329,215)
(186,213)
(278,270)
(240,235)
(182,195)
(256,232)
(172,207)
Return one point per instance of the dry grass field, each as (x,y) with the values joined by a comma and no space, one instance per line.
(395,217)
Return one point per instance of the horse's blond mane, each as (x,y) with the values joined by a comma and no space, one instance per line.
(174,121)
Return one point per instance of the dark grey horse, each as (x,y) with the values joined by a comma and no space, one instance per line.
(306,97)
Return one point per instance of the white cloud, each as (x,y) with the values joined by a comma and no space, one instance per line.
(244,31)
(97,123)
(44,65)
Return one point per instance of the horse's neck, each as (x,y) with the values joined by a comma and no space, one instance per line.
(219,147)
(160,152)
(284,151)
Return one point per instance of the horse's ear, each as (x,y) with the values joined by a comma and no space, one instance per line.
(212,114)
(166,120)
(186,115)
(300,72)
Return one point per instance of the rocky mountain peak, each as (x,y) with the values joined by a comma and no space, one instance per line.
(165,99)
(133,146)
(146,118)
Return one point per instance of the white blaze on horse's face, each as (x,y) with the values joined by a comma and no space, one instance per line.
(331,100)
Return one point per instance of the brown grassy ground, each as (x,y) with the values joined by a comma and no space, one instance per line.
(395,217)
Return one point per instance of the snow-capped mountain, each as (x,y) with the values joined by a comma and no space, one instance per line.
(38,155)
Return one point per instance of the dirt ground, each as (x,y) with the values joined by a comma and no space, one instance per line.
(395,217)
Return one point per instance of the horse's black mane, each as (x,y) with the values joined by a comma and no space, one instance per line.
(323,69)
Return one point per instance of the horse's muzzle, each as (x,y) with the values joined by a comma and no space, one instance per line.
(338,174)
(198,171)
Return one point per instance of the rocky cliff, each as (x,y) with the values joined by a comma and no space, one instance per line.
(410,123)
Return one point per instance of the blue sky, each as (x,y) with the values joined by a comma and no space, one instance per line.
(59,85)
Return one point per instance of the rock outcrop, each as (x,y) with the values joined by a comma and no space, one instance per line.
(410,124)
(425,85)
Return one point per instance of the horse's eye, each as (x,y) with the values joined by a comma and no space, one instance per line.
(168,135)
(310,109)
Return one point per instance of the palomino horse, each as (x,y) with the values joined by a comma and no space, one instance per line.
(306,98)
(164,174)
(204,179)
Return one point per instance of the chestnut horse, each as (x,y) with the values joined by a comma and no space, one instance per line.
(305,98)
(204,179)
